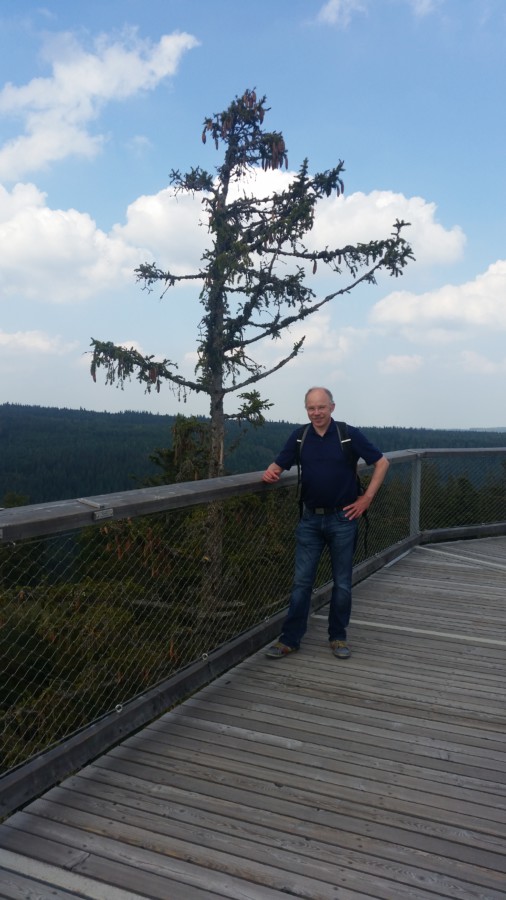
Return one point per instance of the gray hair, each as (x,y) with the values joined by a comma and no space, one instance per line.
(318,388)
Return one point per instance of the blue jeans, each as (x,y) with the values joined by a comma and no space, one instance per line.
(313,533)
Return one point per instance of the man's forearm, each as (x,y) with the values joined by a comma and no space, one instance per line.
(377,478)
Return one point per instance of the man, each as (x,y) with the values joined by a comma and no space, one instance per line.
(331,509)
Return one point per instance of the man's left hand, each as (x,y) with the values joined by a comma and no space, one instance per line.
(358,508)
(362,503)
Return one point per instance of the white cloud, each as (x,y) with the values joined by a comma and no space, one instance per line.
(340,12)
(324,345)
(363,217)
(169,226)
(476,304)
(57,256)
(46,13)
(424,7)
(139,145)
(61,256)
(35,342)
(477,364)
(400,365)
(22,197)
(58,110)
(360,217)
(434,336)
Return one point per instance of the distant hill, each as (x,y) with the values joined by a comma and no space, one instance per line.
(55,454)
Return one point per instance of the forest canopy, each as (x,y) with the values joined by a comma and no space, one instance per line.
(49,454)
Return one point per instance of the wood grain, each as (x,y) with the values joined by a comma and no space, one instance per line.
(383,776)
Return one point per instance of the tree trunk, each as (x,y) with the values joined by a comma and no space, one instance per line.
(213,551)
(216,453)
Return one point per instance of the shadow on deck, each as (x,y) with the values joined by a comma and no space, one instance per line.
(383,776)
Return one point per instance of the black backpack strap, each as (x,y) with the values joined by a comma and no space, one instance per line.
(344,437)
(342,430)
(350,455)
(301,437)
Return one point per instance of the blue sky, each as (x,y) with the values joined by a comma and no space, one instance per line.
(100,101)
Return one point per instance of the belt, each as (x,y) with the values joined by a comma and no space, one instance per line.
(324,510)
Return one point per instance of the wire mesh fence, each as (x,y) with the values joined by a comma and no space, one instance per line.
(94,617)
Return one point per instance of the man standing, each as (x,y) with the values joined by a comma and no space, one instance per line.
(331,509)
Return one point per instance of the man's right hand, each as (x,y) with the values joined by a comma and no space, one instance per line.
(272,473)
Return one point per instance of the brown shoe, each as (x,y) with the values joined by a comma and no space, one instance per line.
(278,650)
(340,649)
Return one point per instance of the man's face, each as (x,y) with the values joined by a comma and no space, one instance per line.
(319,408)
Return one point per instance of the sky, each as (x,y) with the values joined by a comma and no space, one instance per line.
(99,102)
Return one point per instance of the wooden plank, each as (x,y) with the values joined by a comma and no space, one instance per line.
(271,825)
(381,777)
(14,886)
(398,669)
(309,792)
(359,820)
(99,879)
(393,684)
(22,878)
(190,734)
(343,732)
(310,752)
(217,870)
(314,859)
(356,744)
(332,784)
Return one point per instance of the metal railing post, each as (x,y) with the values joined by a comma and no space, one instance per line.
(414,507)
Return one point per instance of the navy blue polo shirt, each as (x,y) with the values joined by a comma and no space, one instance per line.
(327,478)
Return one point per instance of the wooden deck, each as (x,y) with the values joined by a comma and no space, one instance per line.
(383,776)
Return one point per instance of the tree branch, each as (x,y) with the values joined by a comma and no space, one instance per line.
(261,375)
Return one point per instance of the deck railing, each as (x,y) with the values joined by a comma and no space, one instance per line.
(114,607)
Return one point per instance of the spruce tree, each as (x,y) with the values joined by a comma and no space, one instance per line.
(253,280)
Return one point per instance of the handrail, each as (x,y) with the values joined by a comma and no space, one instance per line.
(21,522)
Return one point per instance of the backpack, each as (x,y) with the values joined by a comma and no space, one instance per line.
(349,455)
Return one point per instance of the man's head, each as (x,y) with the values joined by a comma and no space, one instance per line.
(319,407)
